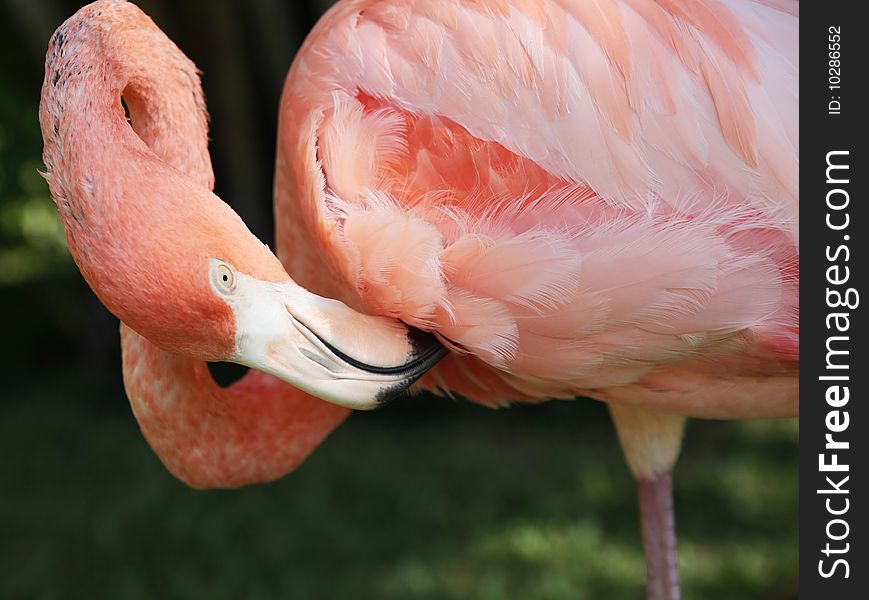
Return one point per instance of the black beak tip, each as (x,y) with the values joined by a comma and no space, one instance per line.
(427,352)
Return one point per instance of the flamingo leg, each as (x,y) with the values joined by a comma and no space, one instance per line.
(651,442)
(659,536)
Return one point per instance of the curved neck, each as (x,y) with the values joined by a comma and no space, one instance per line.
(128,203)
(109,50)
(255,430)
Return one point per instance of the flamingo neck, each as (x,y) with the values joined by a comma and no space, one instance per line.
(257,429)
(122,197)
(109,50)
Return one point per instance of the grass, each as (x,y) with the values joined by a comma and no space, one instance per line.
(424,500)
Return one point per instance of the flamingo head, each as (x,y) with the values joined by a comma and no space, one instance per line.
(179,267)
(318,344)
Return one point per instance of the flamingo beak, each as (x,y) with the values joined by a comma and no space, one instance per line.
(324,347)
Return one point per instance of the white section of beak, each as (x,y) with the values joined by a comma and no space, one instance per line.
(324,347)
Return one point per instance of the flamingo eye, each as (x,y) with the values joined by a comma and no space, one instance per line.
(223,277)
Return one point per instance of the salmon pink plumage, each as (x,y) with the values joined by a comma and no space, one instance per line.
(585,202)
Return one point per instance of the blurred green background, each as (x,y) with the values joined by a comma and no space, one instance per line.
(424,499)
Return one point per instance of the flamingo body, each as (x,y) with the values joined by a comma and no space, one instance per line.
(580,198)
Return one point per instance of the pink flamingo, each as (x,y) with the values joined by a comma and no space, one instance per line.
(593,198)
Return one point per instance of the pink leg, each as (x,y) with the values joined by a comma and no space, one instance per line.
(651,442)
(659,536)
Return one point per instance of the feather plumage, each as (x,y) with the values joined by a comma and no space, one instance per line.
(581,192)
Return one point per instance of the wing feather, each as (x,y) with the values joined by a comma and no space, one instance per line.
(573,192)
